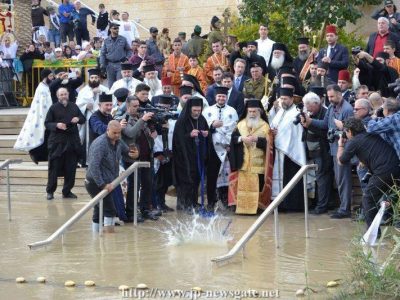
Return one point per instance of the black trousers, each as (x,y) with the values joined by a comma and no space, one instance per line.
(214,164)
(81,34)
(130,191)
(146,186)
(66,165)
(163,180)
(66,30)
(108,202)
(376,187)
(187,195)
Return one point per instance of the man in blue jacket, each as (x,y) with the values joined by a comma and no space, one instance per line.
(65,9)
(79,19)
(335,55)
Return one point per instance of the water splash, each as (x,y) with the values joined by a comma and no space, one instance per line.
(197,230)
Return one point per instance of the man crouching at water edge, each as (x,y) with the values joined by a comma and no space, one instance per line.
(104,156)
(377,155)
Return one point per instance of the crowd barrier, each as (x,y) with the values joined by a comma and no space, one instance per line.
(31,77)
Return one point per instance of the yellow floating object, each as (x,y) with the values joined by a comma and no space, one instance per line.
(142,286)
(41,279)
(300,293)
(89,283)
(69,283)
(196,289)
(332,284)
(123,287)
(20,280)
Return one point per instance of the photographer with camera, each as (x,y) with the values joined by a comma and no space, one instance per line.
(139,134)
(338,110)
(317,151)
(163,150)
(389,126)
(375,73)
(377,155)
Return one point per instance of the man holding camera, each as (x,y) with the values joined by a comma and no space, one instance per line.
(317,150)
(338,110)
(381,160)
(389,126)
(140,132)
(70,81)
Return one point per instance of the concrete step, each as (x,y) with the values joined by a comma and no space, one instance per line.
(7,141)
(8,131)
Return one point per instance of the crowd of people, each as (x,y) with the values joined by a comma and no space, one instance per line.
(236,129)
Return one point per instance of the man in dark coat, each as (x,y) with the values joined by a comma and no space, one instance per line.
(190,145)
(64,144)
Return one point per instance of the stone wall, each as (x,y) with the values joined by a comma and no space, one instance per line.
(177,15)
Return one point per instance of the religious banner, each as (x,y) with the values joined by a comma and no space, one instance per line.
(6,17)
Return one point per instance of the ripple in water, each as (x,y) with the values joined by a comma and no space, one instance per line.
(197,230)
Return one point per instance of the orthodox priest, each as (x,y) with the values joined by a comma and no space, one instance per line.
(290,152)
(64,145)
(221,119)
(33,135)
(251,158)
(190,145)
(88,99)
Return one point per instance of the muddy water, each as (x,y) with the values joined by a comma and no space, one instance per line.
(142,255)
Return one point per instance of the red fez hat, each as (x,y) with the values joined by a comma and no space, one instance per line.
(331,29)
(344,75)
(166,81)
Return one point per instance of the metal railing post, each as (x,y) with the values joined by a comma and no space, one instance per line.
(305,204)
(261,219)
(88,206)
(101,217)
(135,196)
(276,227)
(9,192)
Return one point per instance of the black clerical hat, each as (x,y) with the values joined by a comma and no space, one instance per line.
(196,101)
(288,80)
(251,103)
(44,73)
(149,68)
(103,97)
(94,72)
(286,92)
(221,90)
(185,90)
(126,66)
(303,41)
(253,43)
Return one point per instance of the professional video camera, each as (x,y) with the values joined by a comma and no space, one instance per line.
(161,116)
(299,107)
(334,134)
(356,50)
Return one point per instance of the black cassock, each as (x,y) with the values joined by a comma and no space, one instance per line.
(185,165)
(64,146)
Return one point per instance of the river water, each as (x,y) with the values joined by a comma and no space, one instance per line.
(147,254)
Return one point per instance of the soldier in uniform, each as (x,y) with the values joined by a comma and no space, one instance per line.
(255,86)
(115,50)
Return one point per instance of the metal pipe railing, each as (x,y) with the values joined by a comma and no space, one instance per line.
(6,164)
(273,206)
(98,198)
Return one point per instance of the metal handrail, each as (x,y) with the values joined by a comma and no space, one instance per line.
(273,206)
(98,198)
(97,15)
(6,164)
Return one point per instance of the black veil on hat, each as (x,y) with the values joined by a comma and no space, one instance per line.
(187,108)
(185,90)
(251,103)
(195,82)
(44,73)
(284,48)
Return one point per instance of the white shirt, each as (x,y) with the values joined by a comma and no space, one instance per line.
(265,48)
(11,51)
(128,30)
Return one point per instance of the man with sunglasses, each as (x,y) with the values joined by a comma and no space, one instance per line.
(115,50)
